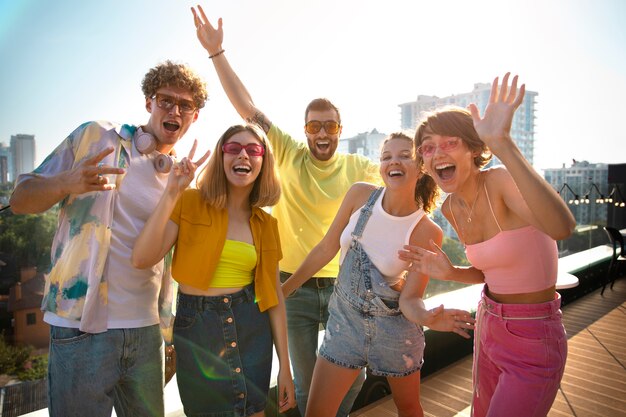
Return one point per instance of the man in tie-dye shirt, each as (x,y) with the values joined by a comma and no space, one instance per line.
(106,349)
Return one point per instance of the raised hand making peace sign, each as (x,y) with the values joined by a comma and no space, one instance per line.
(210,37)
(184,171)
(90,175)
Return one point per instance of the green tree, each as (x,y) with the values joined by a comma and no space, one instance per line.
(455,251)
(28,237)
(17,360)
(12,358)
(34,368)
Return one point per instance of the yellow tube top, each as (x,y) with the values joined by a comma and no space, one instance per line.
(235,267)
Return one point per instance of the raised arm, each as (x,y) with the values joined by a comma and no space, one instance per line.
(159,233)
(211,39)
(328,247)
(540,205)
(38,193)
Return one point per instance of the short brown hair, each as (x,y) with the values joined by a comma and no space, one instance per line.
(321,104)
(169,74)
(212,181)
(426,190)
(457,122)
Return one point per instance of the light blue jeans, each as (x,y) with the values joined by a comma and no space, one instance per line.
(89,374)
(307,309)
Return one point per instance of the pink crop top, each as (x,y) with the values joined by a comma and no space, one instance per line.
(515,261)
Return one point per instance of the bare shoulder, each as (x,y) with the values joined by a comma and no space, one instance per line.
(499,182)
(360,192)
(357,195)
(425,231)
(497,176)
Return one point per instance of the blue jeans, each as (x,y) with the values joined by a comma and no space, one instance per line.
(307,309)
(89,374)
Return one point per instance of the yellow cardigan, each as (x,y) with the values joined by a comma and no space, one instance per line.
(201,236)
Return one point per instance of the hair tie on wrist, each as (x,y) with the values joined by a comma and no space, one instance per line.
(217,54)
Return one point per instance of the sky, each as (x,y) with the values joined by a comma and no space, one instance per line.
(64,62)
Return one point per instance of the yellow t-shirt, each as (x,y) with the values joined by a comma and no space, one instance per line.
(312,192)
(201,237)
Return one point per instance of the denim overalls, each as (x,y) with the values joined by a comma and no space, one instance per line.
(366,327)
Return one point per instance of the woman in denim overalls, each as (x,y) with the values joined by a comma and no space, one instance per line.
(376,311)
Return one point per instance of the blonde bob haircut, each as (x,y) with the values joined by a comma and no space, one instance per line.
(457,122)
(212,181)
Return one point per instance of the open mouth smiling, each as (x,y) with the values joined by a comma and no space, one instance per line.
(396,173)
(171,126)
(242,169)
(322,144)
(445,171)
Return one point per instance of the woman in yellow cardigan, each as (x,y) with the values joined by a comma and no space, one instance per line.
(230,307)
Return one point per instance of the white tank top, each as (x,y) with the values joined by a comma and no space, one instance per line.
(383,237)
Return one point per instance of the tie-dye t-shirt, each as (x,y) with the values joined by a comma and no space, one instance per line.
(76,288)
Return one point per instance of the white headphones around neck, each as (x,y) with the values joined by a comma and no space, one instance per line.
(146,144)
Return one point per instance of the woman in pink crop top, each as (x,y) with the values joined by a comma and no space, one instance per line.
(508,218)
(230,310)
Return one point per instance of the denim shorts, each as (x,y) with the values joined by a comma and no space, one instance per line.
(389,345)
(223,353)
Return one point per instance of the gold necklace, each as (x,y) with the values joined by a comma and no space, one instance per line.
(469,215)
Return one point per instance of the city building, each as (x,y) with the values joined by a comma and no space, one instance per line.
(6,163)
(25,305)
(522,131)
(22,154)
(584,186)
(366,144)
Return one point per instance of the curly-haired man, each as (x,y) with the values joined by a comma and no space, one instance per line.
(106,347)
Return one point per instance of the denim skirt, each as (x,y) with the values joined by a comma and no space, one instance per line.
(223,353)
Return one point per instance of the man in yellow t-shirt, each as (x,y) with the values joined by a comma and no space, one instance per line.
(314,180)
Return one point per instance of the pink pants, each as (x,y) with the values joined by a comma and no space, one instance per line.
(519,358)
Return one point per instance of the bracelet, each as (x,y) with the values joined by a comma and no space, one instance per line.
(217,54)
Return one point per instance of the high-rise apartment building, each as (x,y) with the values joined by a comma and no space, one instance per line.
(22,154)
(366,144)
(5,163)
(522,131)
(586,182)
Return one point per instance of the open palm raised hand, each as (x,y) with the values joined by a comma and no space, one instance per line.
(210,37)
(495,126)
